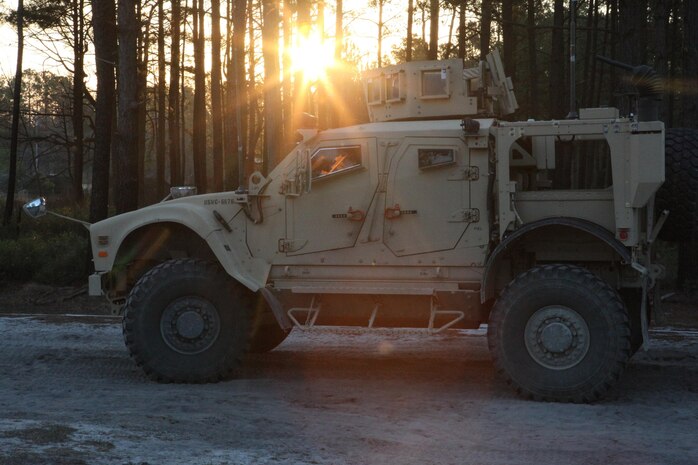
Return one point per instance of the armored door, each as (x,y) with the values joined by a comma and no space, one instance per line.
(343,182)
(428,196)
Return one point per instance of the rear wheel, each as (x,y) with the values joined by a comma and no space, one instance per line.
(559,333)
(179,325)
(679,193)
(633,303)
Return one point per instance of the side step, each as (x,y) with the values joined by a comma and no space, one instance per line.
(305,318)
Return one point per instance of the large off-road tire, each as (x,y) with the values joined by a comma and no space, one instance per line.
(187,321)
(632,298)
(679,193)
(559,333)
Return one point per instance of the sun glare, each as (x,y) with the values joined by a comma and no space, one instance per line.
(313,57)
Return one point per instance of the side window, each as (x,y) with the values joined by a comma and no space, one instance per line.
(373,92)
(393,88)
(429,158)
(328,161)
(435,83)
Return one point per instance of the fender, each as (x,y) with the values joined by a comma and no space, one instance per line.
(487,289)
(108,235)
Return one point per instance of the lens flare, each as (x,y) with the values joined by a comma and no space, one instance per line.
(312,57)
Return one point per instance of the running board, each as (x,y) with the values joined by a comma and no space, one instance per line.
(309,316)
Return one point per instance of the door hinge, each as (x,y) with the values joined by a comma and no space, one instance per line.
(383,182)
(467,215)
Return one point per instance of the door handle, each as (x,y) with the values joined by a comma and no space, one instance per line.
(355,215)
(351,215)
(394,212)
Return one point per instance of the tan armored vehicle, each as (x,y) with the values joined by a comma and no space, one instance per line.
(436,215)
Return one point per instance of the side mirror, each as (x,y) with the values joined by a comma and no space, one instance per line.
(36,208)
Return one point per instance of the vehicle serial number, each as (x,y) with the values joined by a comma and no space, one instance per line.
(219,201)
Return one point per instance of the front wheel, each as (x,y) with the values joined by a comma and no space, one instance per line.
(559,333)
(179,324)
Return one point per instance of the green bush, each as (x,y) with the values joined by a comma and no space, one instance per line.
(18,259)
(50,250)
(66,261)
(61,259)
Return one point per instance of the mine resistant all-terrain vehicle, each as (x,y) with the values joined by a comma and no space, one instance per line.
(436,215)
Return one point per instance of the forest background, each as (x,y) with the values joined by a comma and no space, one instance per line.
(146,95)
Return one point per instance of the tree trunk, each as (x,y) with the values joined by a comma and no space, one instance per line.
(216,101)
(587,86)
(199,110)
(422,9)
(660,24)
(610,47)
(556,86)
(673,53)
(409,38)
(509,42)
(236,96)
(160,148)
(14,137)
(287,86)
(690,110)
(173,116)
(433,30)
(461,31)
(485,29)
(126,156)
(449,43)
(632,44)
(320,20)
(593,72)
(532,60)
(143,47)
(78,93)
(379,52)
(182,99)
(299,89)
(339,30)
(272,88)
(633,30)
(320,93)
(253,96)
(104,27)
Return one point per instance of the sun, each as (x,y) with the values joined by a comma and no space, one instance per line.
(313,57)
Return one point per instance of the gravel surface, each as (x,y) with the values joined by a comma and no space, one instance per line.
(69,394)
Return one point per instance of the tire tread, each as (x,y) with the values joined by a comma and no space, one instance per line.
(225,368)
(581,277)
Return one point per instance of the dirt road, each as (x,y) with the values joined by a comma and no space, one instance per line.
(69,394)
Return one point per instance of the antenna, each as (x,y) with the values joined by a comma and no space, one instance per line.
(573,61)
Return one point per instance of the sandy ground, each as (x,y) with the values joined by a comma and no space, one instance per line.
(69,394)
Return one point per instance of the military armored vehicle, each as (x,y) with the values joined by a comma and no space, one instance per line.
(436,215)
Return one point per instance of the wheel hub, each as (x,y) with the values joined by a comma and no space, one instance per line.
(557,337)
(190,325)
